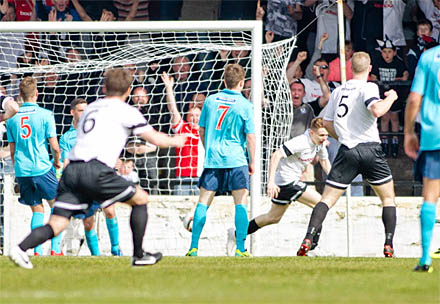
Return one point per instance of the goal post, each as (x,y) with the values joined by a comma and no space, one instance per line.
(151,47)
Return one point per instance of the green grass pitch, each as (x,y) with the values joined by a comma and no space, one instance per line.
(220,280)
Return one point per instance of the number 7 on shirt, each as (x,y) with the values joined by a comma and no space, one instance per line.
(225,110)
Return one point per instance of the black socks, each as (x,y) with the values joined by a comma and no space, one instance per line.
(315,224)
(38,236)
(138,223)
(389,221)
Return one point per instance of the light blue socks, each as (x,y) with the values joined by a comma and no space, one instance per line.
(37,221)
(92,242)
(427,221)
(113,232)
(241,226)
(55,242)
(198,223)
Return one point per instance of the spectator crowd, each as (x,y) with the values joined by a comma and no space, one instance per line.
(170,92)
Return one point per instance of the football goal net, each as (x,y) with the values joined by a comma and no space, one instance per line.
(69,61)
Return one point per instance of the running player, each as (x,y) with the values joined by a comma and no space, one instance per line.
(90,175)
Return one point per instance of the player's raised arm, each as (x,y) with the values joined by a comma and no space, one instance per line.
(382,107)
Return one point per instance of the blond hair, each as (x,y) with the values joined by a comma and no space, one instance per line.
(117,82)
(360,62)
(234,73)
(28,87)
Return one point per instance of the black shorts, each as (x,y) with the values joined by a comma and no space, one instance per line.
(367,159)
(85,182)
(290,193)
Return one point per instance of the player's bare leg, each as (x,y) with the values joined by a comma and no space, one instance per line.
(138,223)
(328,200)
(387,196)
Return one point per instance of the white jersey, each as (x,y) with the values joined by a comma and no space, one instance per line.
(298,152)
(392,21)
(328,23)
(104,129)
(348,108)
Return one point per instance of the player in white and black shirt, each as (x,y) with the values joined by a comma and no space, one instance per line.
(286,167)
(90,176)
(351,117)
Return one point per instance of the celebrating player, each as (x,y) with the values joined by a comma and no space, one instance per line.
(424,97)
(90,175)
(286,167)
(28,132)
(226,126)
(351,117)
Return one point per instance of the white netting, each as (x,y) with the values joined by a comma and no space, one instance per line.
(72,65)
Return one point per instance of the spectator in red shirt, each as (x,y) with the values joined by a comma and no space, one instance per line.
(188,156)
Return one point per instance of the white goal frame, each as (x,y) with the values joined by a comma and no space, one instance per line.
(255,27)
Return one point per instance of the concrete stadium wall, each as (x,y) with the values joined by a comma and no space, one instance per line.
(165,231)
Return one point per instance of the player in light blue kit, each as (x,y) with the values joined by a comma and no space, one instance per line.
(424,97)
(226,128)
(28,132)
(67,141)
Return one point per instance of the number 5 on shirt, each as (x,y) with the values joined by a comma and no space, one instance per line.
(26,133)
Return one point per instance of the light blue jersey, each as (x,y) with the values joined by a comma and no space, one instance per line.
(227,118)
(427,83)
(67,141)
(30,129)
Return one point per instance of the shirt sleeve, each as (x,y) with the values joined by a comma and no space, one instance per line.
(8,131)
(419,80)
(202,120)
(137,122)
(292,146)
(371,94)
(63,147)
(249,127)
(330,108)
(51,130)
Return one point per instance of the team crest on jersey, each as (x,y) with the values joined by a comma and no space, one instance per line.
(303,111)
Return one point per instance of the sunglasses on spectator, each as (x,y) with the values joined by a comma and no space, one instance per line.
(325,67)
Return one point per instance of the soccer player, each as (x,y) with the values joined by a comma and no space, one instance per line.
(90,176)
(226,127)
(351,117)
(28,132)
(424,97)
(286,167)
(67,141)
